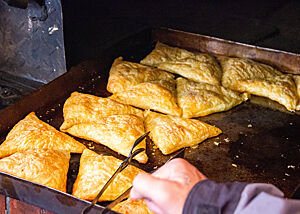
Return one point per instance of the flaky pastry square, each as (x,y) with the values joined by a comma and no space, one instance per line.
(95,170)
(170,133)
(199,99)
(43,166)
(31,132)
(198,67)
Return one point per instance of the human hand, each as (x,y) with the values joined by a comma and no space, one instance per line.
(166,190)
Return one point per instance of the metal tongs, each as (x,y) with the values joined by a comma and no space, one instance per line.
(121,167)
(124,195)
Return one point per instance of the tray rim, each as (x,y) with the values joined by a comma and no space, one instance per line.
(228,41)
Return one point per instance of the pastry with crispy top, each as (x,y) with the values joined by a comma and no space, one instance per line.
(157,95)
(117,132)
(143,86)
(170,133)
(124,75)
(104,121)
(80,108)
(200,99)
(31,132)
(245,75)
(198,67)
(95,170)
(131,206)
(43,166)
(297,81)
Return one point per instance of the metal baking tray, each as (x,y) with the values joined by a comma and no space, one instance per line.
(260,140)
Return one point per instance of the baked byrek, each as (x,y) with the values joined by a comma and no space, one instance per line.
(80,108)
(104,121)
(43,166)
(171,133)
(95,170)
(198,67)
(143,87)
(245,75)
(156,95)
(124,75)
(200,99)
(117,132)
(297,81)
(132,206)
(31,133)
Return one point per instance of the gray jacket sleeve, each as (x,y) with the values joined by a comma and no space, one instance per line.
(238,198)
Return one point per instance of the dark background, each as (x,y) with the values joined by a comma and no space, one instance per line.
(89,25)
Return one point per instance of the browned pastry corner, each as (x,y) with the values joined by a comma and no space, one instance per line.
(131,206)
(157,95)
(143,86)
(245,75)
(124,75)
(198,67)
(200,99)
(236,69)
(33,133)
(80,108)
(170,133)
(297,81)
(94,172)
(42,166)
(118,132)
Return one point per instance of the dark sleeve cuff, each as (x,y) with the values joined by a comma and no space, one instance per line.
(211,198)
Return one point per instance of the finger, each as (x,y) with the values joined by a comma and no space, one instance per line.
(135,192)
(168,169)
(153,206)
(146,186)
(150,204)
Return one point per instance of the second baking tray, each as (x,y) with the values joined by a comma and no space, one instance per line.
(260,140)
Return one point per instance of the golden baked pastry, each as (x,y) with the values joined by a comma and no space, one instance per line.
(198,67)
(159,95)
(80,108)
(236,69)
(280,88)
(34,133)
(124,75)
(131,206)
(200,99)
(170,133)
(95,170)
(297,81)
(118,132)
(43,166)
(245,75)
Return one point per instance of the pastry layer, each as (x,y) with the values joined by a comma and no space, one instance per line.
(200,99)
(198,67)
(95,170)
(170,133)
(124,75)
(131,206)
(118,132)
(42,166)
(80,108)
(157,95)
(33,133)
(245,75)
